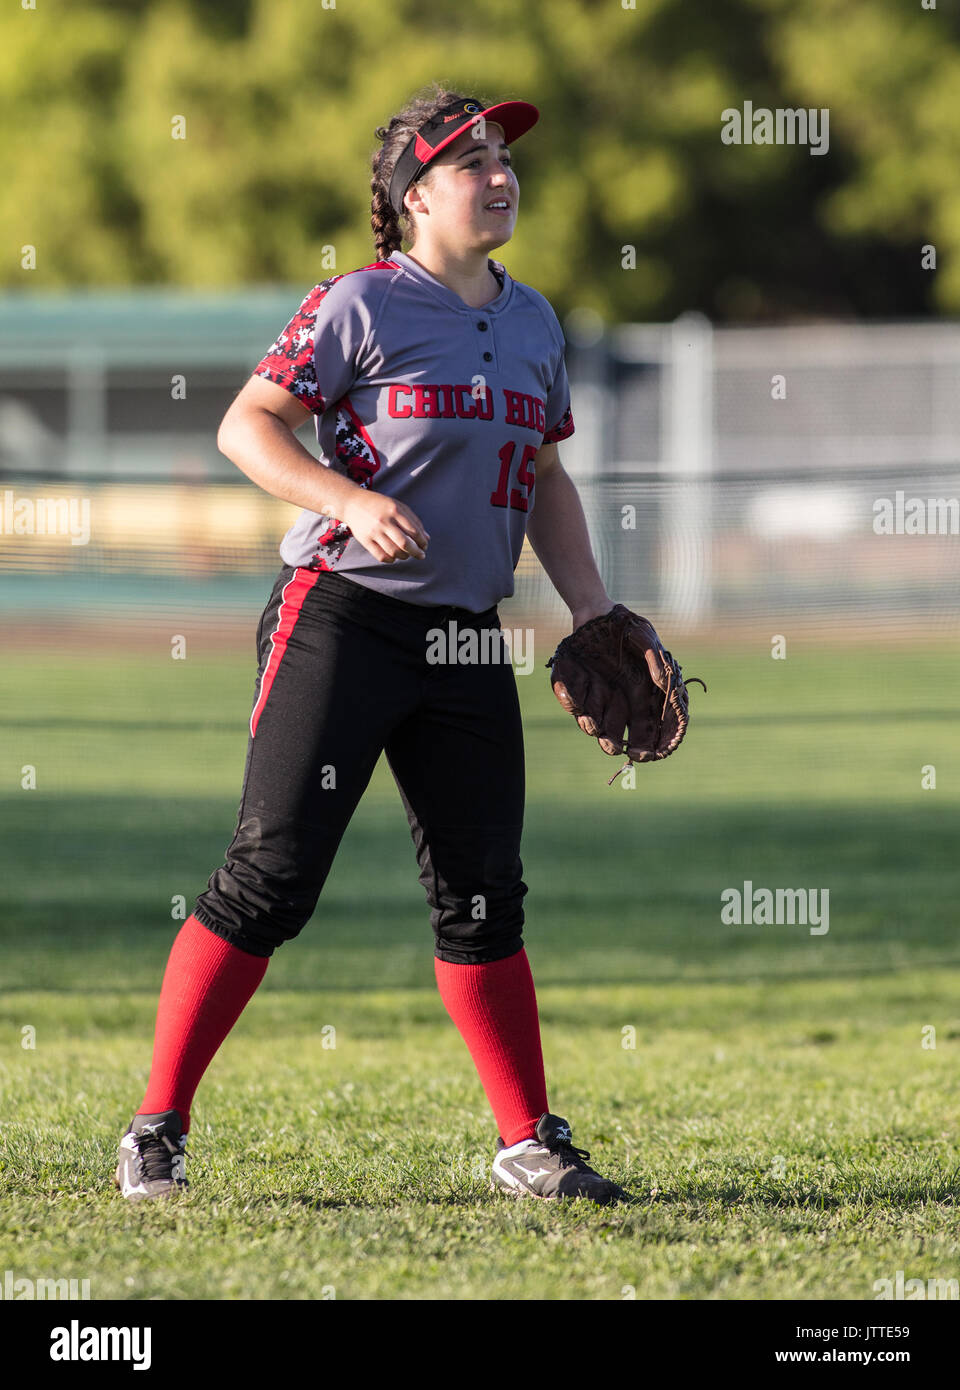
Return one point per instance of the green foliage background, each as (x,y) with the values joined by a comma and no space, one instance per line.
(281,98)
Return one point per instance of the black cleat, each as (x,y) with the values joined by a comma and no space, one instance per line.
(152,1159)
(550,1167)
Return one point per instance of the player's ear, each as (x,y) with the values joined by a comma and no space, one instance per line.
(413,199)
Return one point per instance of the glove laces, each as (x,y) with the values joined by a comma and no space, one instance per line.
(670,665)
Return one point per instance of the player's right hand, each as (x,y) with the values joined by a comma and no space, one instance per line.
(388,529)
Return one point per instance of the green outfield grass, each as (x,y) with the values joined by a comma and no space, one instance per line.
(783,1130)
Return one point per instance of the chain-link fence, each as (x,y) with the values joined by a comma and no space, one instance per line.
(791,475)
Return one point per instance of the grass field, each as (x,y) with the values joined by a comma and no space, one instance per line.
(783,1130)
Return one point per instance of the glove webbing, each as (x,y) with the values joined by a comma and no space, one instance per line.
(690,681)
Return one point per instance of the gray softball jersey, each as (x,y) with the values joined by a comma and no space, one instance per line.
(441,406)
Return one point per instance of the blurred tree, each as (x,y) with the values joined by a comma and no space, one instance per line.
(63,188)
(890,74)
(277,104)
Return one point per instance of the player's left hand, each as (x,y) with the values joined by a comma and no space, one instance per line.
(579,616)
(613,673)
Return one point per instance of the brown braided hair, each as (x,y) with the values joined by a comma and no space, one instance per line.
(390,230)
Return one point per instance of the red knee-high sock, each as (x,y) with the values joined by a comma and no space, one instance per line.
(206,986)
(495,1008)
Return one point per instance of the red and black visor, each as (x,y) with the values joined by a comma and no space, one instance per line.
(516,117)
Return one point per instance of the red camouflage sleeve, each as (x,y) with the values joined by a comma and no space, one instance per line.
(558,410)
(289,362)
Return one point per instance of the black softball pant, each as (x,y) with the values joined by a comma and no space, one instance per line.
(343,675)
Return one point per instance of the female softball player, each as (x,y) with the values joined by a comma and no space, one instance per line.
(440,394)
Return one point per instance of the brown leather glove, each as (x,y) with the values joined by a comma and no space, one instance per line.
(612,673)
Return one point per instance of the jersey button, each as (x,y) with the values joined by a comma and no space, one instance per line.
(488,357)
(482,325)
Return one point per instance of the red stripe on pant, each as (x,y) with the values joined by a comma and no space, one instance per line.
(291,602)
